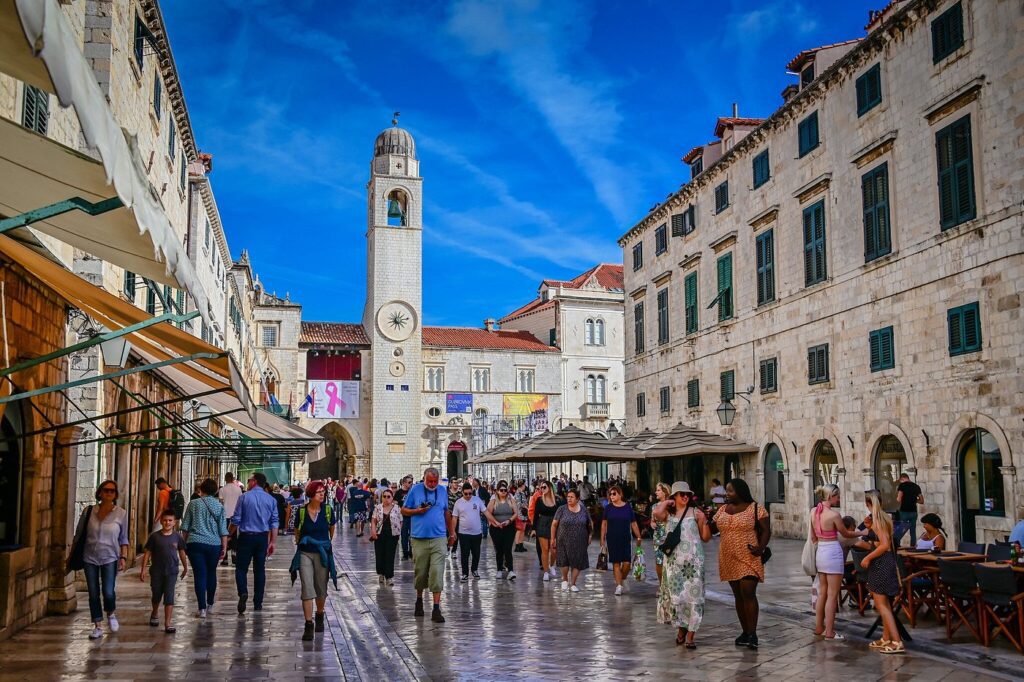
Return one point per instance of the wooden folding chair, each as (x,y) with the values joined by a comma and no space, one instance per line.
(960,597)
(861,593)
(919,591)
(1002,606)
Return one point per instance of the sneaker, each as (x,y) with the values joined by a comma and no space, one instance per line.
(752,642)
(554,572)
(112,621)
(380,580)
(201,613)
(389,582)
(573,588)
(511,575)
(154,622)
(435,615)
(465,578)
(618,590)
(419,608)
(476,576)
(307,631)
(96,633)
(565,585)
(318,622)
(742,640)
(547,577)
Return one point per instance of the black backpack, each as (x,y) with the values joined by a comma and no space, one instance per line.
(178,503)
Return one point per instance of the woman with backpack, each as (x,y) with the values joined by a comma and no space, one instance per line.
(205,530)
(314,533)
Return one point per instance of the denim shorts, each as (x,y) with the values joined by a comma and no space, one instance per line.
(162,586)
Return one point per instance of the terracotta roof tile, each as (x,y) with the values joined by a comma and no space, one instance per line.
(690,156)
(728,121)
(533,306)
(333,333)
(798,60)
(607,275)
(466,337)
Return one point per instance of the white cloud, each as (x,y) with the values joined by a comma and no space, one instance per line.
(471,248)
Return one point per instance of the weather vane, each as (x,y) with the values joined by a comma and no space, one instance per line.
(394,121)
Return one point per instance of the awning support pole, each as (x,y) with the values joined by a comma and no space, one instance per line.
(66,206)
(96,340)
(121,438)
(111,375)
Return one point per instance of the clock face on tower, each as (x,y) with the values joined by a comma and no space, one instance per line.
(396,320)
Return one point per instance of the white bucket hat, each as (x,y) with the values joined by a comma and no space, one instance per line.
(681,487)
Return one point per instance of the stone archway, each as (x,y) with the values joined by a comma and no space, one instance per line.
(339,460)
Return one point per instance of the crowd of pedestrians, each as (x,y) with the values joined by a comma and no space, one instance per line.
(434,519)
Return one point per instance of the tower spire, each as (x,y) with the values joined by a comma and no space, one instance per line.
(394,119)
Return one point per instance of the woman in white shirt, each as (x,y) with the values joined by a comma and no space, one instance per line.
(468,510)
(933,537)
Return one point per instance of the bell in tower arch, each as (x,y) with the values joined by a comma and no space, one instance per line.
(396,212)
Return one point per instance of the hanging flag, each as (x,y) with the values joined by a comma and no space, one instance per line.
(309,404)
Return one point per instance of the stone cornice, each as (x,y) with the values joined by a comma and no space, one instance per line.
(689,260)
(950,102)
(662,278)
(874,149)
(724,242)
(169,72)
(639,292)
(814,187)
(764,217)
(891,30)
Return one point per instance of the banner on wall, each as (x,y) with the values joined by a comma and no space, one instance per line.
(530,405)
(459,403)
(334,399)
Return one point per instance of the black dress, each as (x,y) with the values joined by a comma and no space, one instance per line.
(883,577)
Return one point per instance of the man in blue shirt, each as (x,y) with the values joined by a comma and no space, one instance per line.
(256,520)
(1017,535)
(426,504)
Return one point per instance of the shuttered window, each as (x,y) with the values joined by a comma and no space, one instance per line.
(697,167)
(724,298)
(638,256)
(814,244)
(661,240)
(947,33)
(869,90)
(880,348)
(684,223)
(678,225)
(769,375)
(552,337)
(690,295)
(817,364)
(156,96)
(171,139)
(762,171)
(956,173)
(35,112)
(807,134)
(641,404)
(129,285)
(722,197)
(663,332)
(727,385)
(638,327)
(765,256)
(140,39)
(150,298)
(182,181)
(666,398)
(874,189)
(964,324)
(693,393)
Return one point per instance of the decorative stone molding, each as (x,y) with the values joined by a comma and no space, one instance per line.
(723,242)
(662,278)
(638,293)
(690,260)
(874,149)
(765,217)
(813,188)
(950,102)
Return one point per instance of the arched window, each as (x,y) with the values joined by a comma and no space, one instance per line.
(825,464)
(600,389)
(774,476)
(268,389)
(890,462)
(599,332)
(981,481)
(588,332)
(480,412)
(398,209)
(595,388)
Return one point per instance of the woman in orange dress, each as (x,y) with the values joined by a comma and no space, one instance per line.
(739,553)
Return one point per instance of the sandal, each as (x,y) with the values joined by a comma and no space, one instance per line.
(691,645)
(879,644)
(153,622)
(170,630)
(680,642)
(836,637)
(893,648)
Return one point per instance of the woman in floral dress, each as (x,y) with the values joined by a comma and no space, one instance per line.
(681,595)
(659,517)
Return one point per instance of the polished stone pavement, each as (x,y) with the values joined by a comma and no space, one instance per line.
(496,630)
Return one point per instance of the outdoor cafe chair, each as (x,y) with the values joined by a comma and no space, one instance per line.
(971,548)
(1002,605)
(919,591)
(998,552)
(958,587)
(862,595)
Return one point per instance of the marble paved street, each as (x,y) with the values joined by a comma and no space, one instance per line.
(496,630)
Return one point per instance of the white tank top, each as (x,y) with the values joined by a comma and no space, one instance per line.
(925,544)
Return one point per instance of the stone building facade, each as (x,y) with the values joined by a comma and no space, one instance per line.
(855,259)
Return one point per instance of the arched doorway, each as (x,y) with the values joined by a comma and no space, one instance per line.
(774,476)
(11,478)
(824,464)
(456,460)
(336,463)
(890,462)
(981,482)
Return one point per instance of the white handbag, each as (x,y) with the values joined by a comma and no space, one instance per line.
(808,560)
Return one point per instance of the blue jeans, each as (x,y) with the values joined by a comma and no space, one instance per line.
(406,530)
(204,559)
(907,522)
(251,549)
(96,577)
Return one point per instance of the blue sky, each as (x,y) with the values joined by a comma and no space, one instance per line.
(545,128)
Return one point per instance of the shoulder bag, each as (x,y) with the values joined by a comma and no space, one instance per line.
(766,553)
(808,559)
(674,538)
(76,562)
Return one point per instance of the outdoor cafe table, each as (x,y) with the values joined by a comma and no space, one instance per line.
(928,558)
(1018,569)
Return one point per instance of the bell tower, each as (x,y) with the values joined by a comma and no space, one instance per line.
(392,314)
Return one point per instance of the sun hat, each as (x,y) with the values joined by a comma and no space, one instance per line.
(681,487)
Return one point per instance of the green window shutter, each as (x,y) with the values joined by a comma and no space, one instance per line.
(954,157)
(807,134)
(765,264)
(814,244)
(947,33)
(663,330)
(690,293)
(150,298)
(638,327)
(762,169)
(638,256)
(678,225)
(727,385)
(817,364)
(725,297)
(129,285)
(768,375)
(869,90)
(875,201)
(693,393)
(722,197)
(171,134)
(964,323)
(35,113)
(880,349)
(156,96)
(691,222)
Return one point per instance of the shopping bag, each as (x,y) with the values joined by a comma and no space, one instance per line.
(602,560)
(639,565)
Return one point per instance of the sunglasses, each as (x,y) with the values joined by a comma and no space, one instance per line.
(386,497)
(108,490)
(502,490)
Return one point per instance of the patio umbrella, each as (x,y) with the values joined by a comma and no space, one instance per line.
(571,443)
(683,440)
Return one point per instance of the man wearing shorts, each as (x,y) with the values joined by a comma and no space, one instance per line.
(433,531)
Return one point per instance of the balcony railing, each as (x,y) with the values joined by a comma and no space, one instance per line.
(595,410)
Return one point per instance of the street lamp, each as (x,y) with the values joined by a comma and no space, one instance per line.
(115,351)
(612,431)
(726,412)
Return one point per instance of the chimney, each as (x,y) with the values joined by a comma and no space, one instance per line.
(735,110)
(491,324)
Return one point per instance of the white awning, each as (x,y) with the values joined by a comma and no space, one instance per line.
(38,46)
